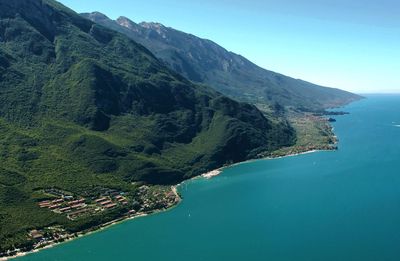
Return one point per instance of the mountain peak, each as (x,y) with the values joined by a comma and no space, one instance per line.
(127,23)
(152,25)
(96,15)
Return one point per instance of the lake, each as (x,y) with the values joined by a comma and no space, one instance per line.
(342,205)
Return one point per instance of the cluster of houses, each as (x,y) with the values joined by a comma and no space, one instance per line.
(161,198)
(145,200)
(77,207)
(73,208)
(47,235)
(108,202)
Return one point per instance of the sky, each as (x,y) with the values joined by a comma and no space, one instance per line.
(349,44)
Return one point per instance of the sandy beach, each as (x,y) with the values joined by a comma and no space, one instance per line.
(212,173)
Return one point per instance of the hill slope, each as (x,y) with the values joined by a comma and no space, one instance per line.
(83,107)
(204,61)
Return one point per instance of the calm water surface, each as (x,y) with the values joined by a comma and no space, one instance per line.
(339,206)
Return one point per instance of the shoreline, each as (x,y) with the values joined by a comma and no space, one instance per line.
(102,227)
(217,172)
(174,189)
(77,236)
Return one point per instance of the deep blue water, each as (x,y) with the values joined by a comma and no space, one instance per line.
(340,206)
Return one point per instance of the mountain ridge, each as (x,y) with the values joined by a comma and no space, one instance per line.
(204,61)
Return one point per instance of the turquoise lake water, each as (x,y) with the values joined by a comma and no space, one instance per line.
(340,206)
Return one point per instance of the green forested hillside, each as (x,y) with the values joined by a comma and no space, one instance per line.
(83,107)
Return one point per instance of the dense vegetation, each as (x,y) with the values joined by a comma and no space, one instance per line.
(204,61)
(82,107)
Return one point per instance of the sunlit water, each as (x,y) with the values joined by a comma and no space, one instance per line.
(340,206)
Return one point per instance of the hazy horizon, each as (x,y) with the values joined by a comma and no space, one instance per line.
(351,46)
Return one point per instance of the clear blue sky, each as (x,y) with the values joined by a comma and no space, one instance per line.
(349,44)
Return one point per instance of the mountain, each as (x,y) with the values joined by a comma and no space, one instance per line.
(84,108)
(204,61)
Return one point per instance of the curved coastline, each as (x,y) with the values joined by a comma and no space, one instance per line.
(208,175)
